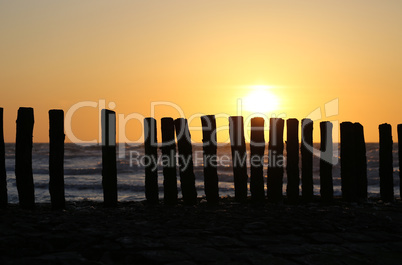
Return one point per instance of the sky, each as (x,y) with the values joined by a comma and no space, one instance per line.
(340,59)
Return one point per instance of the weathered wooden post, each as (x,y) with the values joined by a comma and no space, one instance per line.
(361,163)
(348,163)
(292,166)
(3,173)
(169,161)
(23,158)
(209,141)
(275,163)
(327,189)
(187,177)
(109,169)
(400,157)
(353,162)
(306,150)
(56,159)
(151,167)
(239,157)
(386,163)
(257,148)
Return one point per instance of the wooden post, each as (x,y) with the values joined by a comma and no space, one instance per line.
(400,157)
(151,167)
(3,173)
(169,161)
(187,177)
(307,160)
(109,169)
(23,158)
(327,190)
(348,163)
(210,158)
(239,157)
(292,166)
(361,163)
(257,148)
(353,162)
(56,159)
(275,163)
(386,163)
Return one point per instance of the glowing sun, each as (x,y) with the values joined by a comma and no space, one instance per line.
(260,99)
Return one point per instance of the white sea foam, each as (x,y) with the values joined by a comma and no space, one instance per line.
(83,167)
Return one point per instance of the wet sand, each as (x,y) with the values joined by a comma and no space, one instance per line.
(231,233)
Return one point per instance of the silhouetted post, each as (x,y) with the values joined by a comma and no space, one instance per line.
(353,162)
(386,163)
(257,148)
(306,150)
(292,166)
(169,161)
(210,158)
(275,163)
(23,158)
(3,173)
(348,163)
(327,190)
(109,169)
(400,157)
(56,159)
(361,162)
(239,157)
(151,154)
(187,177)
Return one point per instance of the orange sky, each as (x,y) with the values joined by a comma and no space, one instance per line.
(201,56)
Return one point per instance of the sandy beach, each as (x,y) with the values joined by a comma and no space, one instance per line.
(230,233)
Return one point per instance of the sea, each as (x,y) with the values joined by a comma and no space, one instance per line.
(83,172)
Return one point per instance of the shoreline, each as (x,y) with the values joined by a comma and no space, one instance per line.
(223,201)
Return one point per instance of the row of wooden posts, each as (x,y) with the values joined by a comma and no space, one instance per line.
(353,160)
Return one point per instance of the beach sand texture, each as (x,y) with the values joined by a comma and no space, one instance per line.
(230,233)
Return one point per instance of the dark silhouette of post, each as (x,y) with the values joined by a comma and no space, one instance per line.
(3,173)
(210,158)
(327,189)
(348,163)
(56,159)
(239,157)
(400,157)
(386,163)
(275,163)
(186,168)
(169,161)
(257,148)
(151,167)
(109,169)
(306,151)
(23,158)
(292,166)
(361,163)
